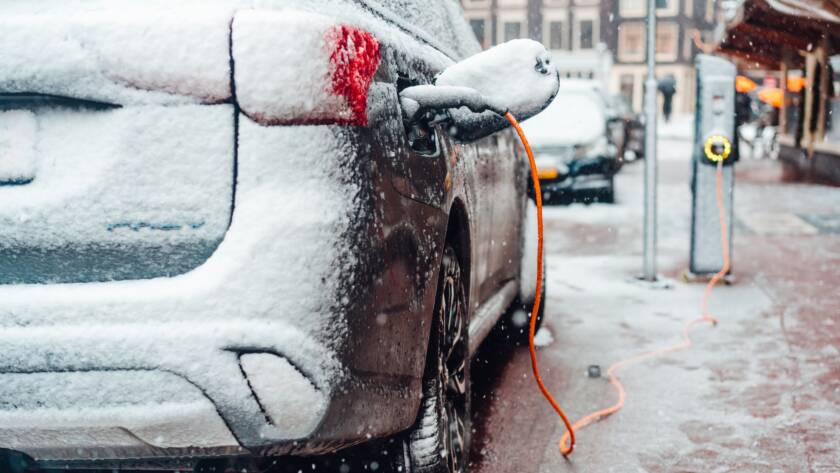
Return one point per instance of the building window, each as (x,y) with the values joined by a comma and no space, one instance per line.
(555,35)
(478,28)
(631,41)
(638,8)
(666,42)
(627,87)
(513,30)
(670,8)
(586,34)
(630,8)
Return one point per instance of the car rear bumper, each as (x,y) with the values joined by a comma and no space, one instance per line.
(133,390)
(585,175)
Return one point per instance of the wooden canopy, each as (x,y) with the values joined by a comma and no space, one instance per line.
(762,30)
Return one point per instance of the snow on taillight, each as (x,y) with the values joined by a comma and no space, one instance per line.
(293,67)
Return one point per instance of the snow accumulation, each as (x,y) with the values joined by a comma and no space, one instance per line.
(543,338)
(69,400)
(575,116)
(431,19)
(436,97)
(273,378)
(272,283)
(98,173)
(334,66)
(17,137)
(142,52)
(122,55)
(517,75)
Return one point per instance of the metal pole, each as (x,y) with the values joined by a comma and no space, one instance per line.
(650,148)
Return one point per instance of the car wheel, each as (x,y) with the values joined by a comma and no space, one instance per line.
(439,440)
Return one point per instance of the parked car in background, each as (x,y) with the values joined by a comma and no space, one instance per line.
(220,240)
(575,154)
(628,124)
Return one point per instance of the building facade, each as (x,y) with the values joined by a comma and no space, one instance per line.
(682,27)
(603,39)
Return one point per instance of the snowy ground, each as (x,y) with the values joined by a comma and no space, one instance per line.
(758,393)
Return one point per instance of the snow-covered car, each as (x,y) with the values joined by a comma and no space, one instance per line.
(220,238)
(575,156)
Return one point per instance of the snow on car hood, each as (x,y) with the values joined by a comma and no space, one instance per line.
(574,117)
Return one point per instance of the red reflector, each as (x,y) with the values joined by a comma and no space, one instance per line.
(353,63)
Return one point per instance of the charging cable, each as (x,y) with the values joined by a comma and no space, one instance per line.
(686,342)
(570,430)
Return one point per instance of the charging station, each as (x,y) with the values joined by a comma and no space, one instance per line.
(715,144)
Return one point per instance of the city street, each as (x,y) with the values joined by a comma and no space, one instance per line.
(758,393)
(301,236)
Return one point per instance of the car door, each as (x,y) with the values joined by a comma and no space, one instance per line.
(481,157)
(499,192)
(484,155)
(508,197)
(440,25)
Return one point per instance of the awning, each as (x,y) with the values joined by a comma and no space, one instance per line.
(820,10)
(759,27)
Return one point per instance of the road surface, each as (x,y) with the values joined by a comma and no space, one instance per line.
(758,393)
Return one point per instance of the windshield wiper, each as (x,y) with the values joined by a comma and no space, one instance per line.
(27,100)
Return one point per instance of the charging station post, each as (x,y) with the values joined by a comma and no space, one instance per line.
(714,144)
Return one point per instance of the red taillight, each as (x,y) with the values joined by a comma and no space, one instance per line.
(353,62)
(293,67)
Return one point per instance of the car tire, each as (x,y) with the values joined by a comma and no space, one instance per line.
(440,438)
(608,195)
(515,324)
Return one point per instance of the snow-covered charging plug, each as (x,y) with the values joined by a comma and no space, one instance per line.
(419,99)
(473,95)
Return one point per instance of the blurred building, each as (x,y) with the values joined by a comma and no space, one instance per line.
(603,39)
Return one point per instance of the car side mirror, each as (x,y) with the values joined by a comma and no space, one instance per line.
(474,94)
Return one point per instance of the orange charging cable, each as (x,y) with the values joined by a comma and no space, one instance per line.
(567,441)
(570,432)
(686,340)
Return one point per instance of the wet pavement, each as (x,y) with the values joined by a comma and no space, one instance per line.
(758,393)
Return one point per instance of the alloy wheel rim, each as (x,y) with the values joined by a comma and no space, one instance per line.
(453,368)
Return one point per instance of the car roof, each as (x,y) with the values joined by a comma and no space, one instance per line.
(580,84)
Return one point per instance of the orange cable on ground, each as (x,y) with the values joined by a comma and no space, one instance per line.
(686,340)
(570,432)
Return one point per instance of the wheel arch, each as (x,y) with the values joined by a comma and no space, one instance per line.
(458,235)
